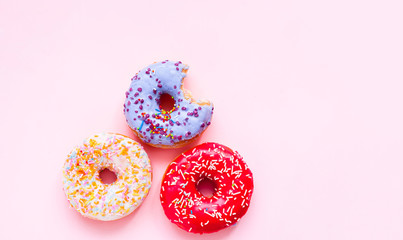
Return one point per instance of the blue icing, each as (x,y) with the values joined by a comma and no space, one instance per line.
(154,125)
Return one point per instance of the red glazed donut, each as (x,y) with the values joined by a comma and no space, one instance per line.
(185,206)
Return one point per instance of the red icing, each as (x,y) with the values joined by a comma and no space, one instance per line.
(185,206)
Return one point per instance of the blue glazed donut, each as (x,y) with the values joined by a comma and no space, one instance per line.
(156,126)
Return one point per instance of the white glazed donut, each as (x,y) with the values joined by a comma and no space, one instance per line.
(84,188)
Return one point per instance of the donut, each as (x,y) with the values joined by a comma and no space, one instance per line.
(83,186)
(165,128)
(186,207)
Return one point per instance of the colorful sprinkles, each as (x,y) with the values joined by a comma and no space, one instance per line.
(82,184)
(185,206)
(149,121)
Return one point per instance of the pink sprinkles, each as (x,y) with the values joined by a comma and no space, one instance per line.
(82,184)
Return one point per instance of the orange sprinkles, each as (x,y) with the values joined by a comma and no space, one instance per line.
(84,188)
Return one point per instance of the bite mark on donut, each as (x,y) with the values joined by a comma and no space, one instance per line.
(161,127)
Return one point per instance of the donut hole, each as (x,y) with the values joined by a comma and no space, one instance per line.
(107,176)
(166,102)
(206,187)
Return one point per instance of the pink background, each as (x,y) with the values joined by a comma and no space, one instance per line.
(309,92)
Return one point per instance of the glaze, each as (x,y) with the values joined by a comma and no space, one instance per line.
(156,126)
(185,206)
(84,188)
